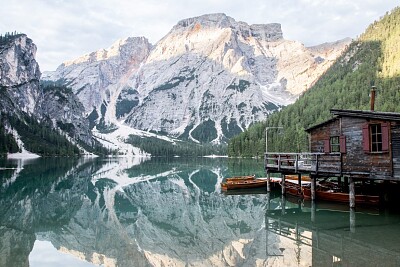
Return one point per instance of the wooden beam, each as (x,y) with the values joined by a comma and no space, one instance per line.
(352,220)
(352,194)
(313,185)
(313,211)
(279,162)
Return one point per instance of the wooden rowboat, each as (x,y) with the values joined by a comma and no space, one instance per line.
(330,195)
(293,189)
(327,192)
(243,184)
(240,178)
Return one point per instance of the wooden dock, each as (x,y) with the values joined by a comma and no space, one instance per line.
(306,163)
(353,146)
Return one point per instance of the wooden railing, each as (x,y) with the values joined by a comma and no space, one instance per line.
(303,162)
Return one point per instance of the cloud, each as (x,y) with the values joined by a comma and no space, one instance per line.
(64,30)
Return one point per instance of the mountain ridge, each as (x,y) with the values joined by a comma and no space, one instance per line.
(200,81)
(372,59)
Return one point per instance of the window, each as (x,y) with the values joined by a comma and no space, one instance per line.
(375,131)
(376,137)
(335,144)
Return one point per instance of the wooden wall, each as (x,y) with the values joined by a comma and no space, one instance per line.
(376,165)
(319,135)
(355,161)
(395,130)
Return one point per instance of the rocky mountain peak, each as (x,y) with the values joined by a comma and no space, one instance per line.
(266,32)
(217,20)
(18,63)
(97,78)
(124,48)
(19,71)
(22,94)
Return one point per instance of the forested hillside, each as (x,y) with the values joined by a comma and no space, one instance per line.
(373,59)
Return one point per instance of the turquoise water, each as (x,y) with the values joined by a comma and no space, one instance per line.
(171,212)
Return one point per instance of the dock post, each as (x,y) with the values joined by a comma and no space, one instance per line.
(283,184)
(352,194)
(268,182)
(283,204)
(299,179)
(266,235)
(352,220)
(313,211)
(313,185)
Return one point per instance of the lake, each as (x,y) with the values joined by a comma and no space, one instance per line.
(171,212)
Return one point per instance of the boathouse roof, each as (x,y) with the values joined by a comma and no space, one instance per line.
(390,116)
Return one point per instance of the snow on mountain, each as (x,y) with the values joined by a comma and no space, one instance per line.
(117,140)
(99,78)
(208,79)
(23,154)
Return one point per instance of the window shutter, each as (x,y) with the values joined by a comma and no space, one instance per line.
(327,146)
(365,137)
(385,136)
(342,144)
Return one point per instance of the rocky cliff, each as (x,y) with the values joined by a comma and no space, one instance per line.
(19,74)
(23,100)
(62,108)
(99,79)
(209,78)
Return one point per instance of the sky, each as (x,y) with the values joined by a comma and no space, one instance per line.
(66,29)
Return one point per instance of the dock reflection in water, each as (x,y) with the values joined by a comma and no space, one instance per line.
(336,236)
(135,212)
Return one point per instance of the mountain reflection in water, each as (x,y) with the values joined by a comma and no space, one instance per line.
(171,212)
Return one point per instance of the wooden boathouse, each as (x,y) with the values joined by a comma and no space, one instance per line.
(354,146)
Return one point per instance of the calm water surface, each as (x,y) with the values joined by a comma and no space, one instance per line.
(170,212)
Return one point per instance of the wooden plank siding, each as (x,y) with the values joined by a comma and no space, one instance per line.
(320,135)
(395,131)
(356,161)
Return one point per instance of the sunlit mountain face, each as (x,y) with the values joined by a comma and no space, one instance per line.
(208,74)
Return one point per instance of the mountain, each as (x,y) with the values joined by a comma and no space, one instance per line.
(209,78)
(36,118)
(19,73)
(100,79)
(373,59)
(62,107)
